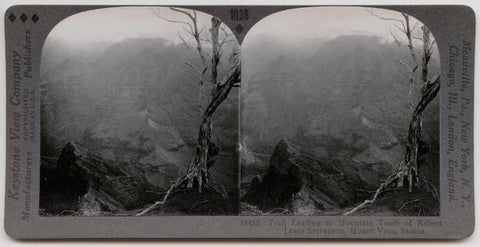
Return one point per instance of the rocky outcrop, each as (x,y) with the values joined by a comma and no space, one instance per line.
(78,174)
(344,102)
(82,182)
(297,179)
(284,179)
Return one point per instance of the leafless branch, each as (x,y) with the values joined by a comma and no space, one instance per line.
(192,16)
(194,67)
(412,29)
(405,170)
(404,64)
(225,40)
(399,28)
(197,173)
(397,41)
(183,40)
(173,21)
(384,18)
(433,44)
(188,31)
(157,13)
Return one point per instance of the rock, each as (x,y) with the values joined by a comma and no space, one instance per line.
(319,183)
(137,131)
(284,179)
(146,143)
(60,188)
(78,172)
(140,113)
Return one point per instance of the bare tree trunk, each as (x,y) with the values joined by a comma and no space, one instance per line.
(427,54)
(408,168)
(206,150)
(410,165)
(411,89)
(197,173)
(408,33)
(215,51)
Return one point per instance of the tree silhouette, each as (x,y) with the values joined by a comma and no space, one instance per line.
(197,175)
(407,173)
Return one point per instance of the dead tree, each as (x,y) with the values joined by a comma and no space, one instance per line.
(409,166)
(191,28)
(407,173)
(197,175)
(405,27)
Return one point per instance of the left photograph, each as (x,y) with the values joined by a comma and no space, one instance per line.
(139,114)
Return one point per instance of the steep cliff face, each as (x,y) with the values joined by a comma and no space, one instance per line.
(127,78)
(81,182)
(135,106)
(300,180)
(347,100)
(343,108)
(284,179)
(79,174)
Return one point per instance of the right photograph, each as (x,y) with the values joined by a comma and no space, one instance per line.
(339,114)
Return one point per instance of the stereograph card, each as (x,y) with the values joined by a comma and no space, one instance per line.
(239,122)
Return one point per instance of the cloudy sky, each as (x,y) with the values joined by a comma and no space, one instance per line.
(115,24)
(327,23)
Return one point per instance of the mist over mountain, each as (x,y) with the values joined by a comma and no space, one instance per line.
(135,103)
(345,102)
(265,48)
(325,115)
